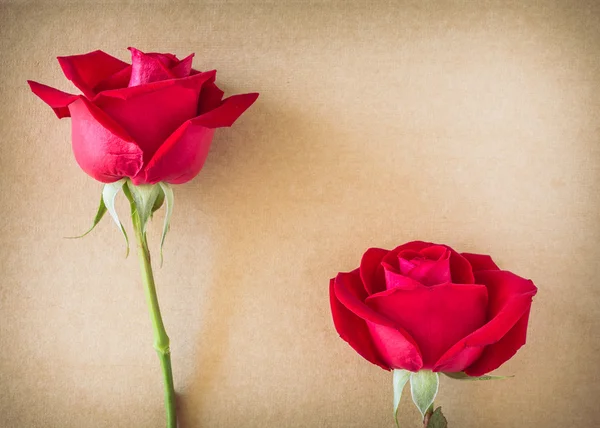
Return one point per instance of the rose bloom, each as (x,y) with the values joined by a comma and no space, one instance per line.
(152,120)
(425,306)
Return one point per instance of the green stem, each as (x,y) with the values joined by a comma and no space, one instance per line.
(161,340)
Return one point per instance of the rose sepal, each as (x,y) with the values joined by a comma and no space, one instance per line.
(464,376)
(144,198)
(167,192)
(424,386)
(400,377)
(147,199)
(160,200)
(109,194)
(99,215)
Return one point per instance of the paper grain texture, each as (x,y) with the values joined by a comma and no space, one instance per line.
(475,124)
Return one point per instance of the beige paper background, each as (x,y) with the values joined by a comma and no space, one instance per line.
(475,124)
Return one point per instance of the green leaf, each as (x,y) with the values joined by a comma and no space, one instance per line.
(424,387)
(464,376)
(99,214)
(109,193)
(399,380)
(144,197)
(170,200)
(437,419)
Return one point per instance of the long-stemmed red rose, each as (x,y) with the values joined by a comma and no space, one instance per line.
(424,308)
(140,127)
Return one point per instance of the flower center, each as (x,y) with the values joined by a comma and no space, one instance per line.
(428,269)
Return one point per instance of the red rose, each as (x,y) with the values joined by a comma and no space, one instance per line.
(425,306)
(151,121)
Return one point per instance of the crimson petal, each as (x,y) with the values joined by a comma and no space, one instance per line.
(227,112)
(392,257)
(116,81)
(509,300)
(353,330)
(101,147)
(137,91)
(184,67)
(210,97)
(181,157)
(394,280)
(462,273)
(147,68)
(393,344)
(432,270)
(371,271)
(151,113)
(495,355)
(480,262)
(58,100)
(436,317)
(88,70)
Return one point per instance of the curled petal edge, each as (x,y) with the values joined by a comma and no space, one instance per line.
(351,296)
(195,135)
(467,351)
(59,101)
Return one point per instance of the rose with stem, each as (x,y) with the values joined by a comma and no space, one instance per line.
(139,127)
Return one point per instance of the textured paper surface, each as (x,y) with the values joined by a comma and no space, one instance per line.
(475,124)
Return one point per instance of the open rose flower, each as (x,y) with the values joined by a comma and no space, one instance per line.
(152,120)
(425,306)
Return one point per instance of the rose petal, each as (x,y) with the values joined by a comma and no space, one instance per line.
(353,330)
(210,97)
(117,81)
(457,361)
(496,354)
(405,265)
(151,113)
(436,317)
(460,268)
(396,347)
(408,255)
(227,112)
(101,147)
(58,100)
(184,67)
(432,270)
(137,91)
(396,280)
(352,294)
(435,252)
(509,299)
(88,70)
(168,59)
(147,68)
(504,287)
(371,271)
(480,262)
(181,157)
(430,273)
(392,257)
(393,344)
